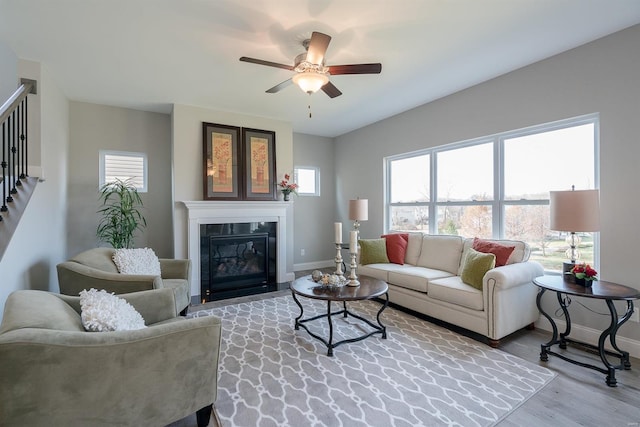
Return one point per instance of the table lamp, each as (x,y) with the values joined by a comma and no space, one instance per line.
(358,211)
(574,211)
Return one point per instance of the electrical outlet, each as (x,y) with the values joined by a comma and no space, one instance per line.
(302,252)
(635,316)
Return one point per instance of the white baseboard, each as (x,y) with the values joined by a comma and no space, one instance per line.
(314,265)
(590,335)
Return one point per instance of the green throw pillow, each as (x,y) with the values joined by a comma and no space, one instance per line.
(476,264)
(373,251)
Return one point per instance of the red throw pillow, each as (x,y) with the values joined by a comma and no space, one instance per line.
(396,246)
(502,252)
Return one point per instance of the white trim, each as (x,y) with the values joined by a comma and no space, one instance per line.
(207,212)
(314,265)
(316,175)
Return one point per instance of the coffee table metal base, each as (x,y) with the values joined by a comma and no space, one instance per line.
(377,329)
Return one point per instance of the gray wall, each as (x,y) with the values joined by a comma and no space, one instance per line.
(314,216)
(98,127)
(8,72)
(38,243)
(602,76)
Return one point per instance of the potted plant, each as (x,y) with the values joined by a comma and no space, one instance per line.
(584,274)
(287,187)
(121,215)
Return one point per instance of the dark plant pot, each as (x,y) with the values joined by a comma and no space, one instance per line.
(584,282)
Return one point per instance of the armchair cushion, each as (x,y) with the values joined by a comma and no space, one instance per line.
(103,312)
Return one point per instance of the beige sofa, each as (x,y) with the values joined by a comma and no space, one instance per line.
(429,282)
(94,268)
(54,373)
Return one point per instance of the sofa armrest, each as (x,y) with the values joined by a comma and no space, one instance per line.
(74,277)
(510,297)
(175,268)
(508,276)
(171,371)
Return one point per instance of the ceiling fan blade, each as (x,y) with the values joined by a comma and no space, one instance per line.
(280,86)
(317,47)
(331,90)
(335,70)
(267,63)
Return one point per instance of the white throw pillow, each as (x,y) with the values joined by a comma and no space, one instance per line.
(104,312)
(137,261)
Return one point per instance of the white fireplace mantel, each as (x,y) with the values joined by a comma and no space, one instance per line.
(218,212)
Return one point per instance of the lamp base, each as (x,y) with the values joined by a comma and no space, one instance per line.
(566,271)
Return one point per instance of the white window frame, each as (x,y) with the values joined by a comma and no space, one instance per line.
(498,203)
(145,163)
(316,171)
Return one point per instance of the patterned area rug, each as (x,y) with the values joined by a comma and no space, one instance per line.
(421,375)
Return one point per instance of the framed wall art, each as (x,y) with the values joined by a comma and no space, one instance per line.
(222,179)
(259,153)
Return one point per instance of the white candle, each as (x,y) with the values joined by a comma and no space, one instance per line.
(353,242)
(338,230)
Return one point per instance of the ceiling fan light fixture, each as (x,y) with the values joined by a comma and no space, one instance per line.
(310,81)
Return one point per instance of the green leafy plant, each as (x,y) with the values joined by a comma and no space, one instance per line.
(121,215)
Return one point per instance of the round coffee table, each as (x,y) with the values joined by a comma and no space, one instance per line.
(369,288)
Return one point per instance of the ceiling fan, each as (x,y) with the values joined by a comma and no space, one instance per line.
(311,74)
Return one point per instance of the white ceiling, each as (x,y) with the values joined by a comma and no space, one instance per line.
(150,54)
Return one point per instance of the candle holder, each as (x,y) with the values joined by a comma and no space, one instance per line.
(338,260)
(353,278)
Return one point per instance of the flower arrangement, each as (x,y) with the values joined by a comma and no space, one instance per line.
(584,271)
(287,187)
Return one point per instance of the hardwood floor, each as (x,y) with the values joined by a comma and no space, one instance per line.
(577,396)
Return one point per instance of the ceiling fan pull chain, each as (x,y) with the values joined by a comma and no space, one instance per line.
(309,106)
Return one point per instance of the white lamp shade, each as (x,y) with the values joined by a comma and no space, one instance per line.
(575,211)
(359,210)
(310,81)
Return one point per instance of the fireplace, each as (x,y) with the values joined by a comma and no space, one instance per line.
(237,259)
(230,218)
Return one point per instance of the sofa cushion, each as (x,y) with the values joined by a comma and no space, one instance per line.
(454,291)
(415,278)
(414,245)
(441,252)
(373,251)
(502,252)
(396,246)
(378,271)
(476,264)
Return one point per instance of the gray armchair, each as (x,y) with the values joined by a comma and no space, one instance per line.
(95,268)
(53,373)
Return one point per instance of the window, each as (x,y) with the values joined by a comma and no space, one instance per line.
(465,190)
(308,180)
(409,192)
(124,165)
(497,186)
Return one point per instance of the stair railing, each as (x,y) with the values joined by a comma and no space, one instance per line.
(14,149)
